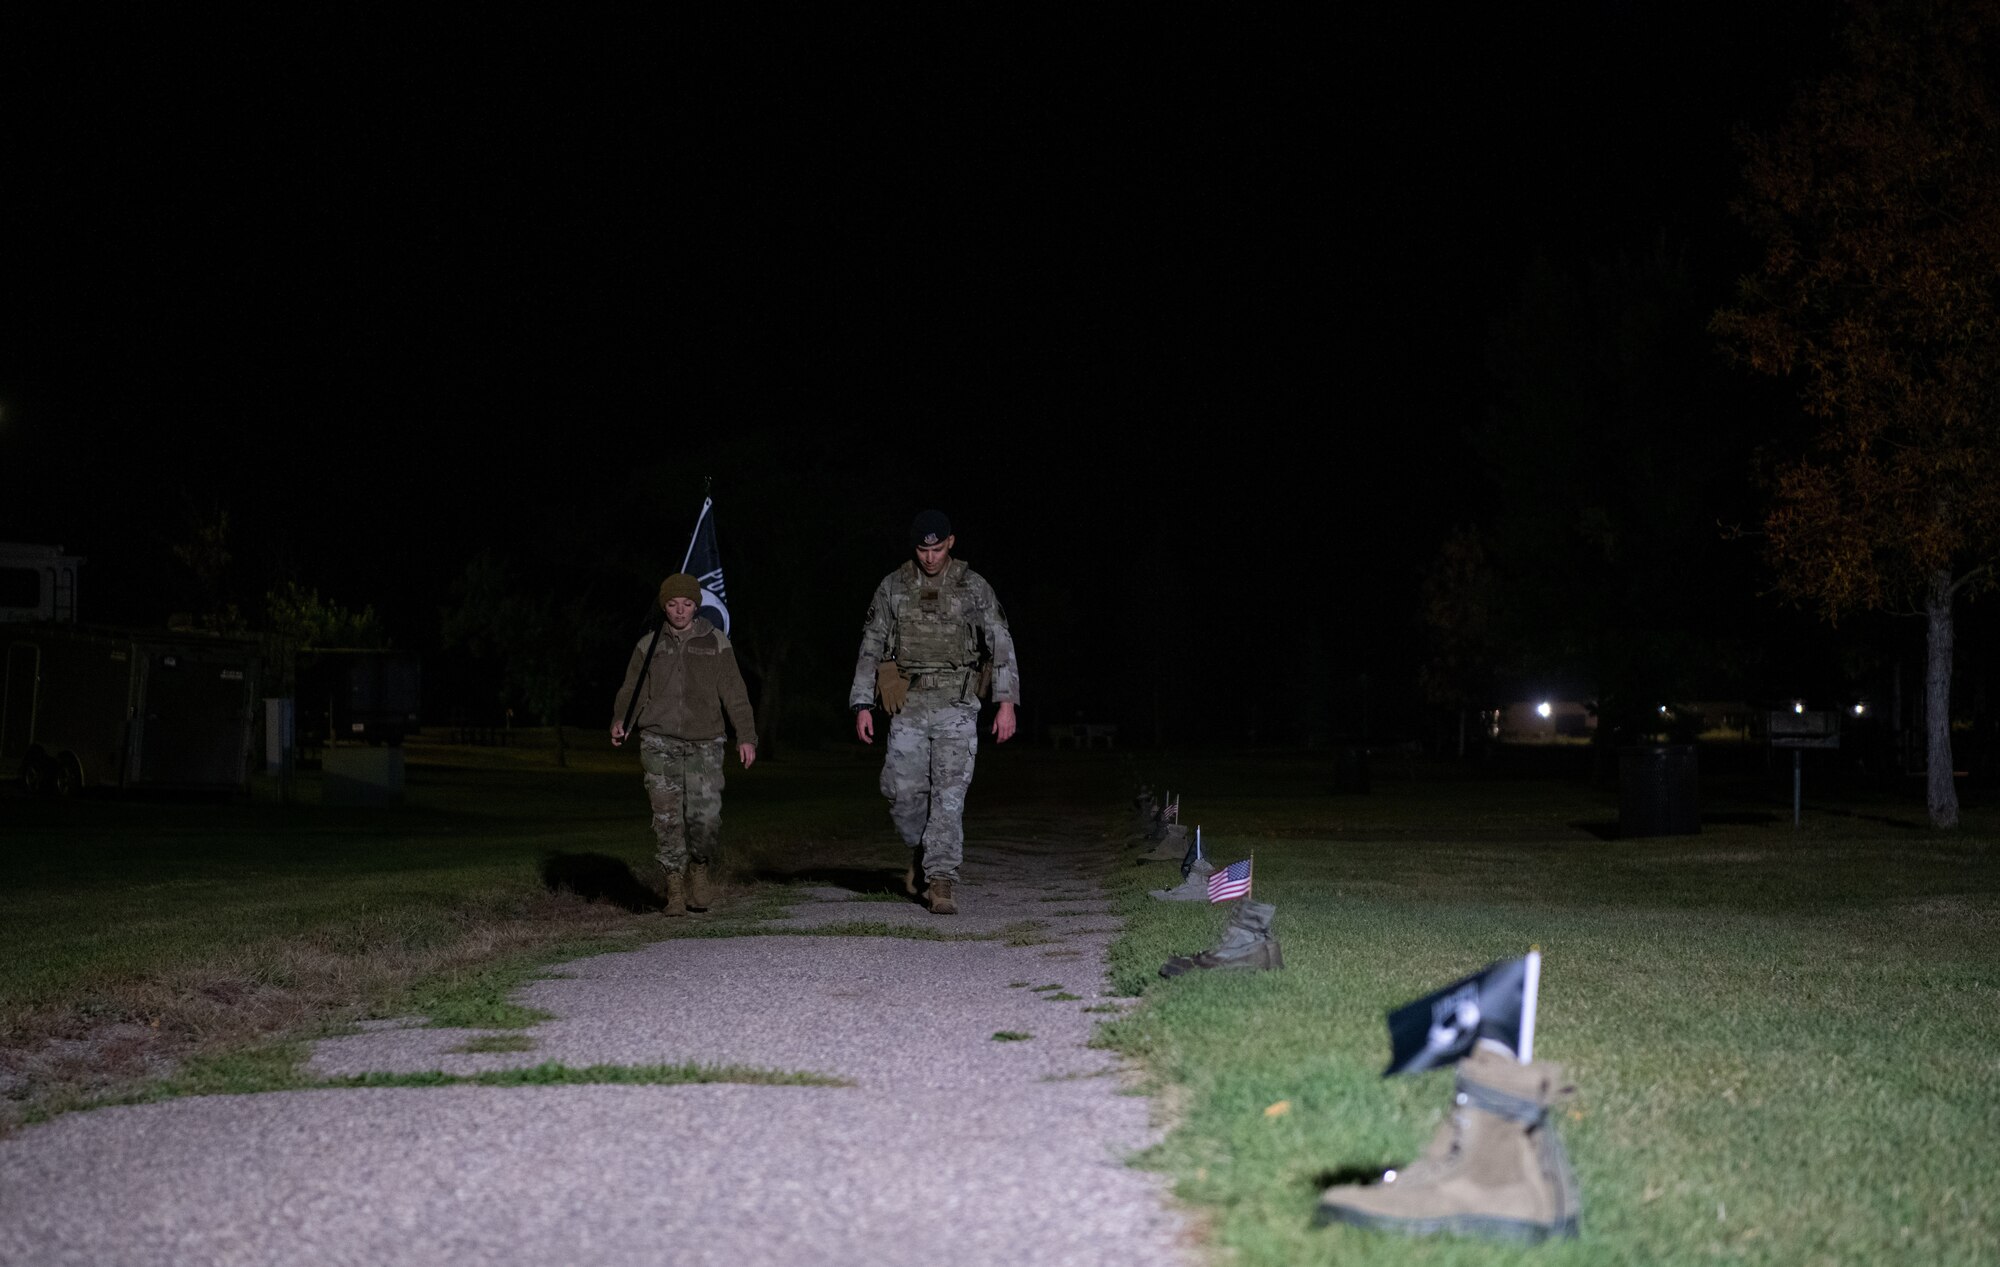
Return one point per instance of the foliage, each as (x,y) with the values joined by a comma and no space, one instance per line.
(538,637)
(1610,457)
(1459,596)
(205,554)
(303,618)
(1877,203)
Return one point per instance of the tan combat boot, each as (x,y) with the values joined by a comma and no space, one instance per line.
(1172,846)
(698,892)
(941,903)
(913,875)
(1500,1171)
(1248,944)
(1192,889)
(676,895)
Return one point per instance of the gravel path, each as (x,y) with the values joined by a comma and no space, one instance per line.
(948,1146)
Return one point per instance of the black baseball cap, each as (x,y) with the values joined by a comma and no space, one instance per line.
(929,528)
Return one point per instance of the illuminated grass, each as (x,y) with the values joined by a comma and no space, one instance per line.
(1782,1040)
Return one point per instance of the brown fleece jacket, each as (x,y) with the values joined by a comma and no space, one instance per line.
(693,679)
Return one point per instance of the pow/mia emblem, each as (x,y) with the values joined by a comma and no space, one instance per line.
(931,539)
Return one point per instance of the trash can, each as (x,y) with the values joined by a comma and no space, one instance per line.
(1657,791)
(1350,770)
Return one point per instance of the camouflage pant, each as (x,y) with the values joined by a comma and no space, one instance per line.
(684,782)
(926,774)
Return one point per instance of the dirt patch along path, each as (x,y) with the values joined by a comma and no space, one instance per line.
(976,1125)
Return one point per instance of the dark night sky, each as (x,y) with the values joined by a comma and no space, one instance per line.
(393,289)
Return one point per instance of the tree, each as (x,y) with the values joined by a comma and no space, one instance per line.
(1876,202)
(540,638)
(1608,457)
(1460,593)
(301,616)
(205,553)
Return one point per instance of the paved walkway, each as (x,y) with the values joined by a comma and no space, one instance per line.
(949,1146)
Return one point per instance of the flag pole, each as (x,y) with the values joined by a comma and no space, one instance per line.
(706,481)
(1530,988)
(659,622)
(1250,881)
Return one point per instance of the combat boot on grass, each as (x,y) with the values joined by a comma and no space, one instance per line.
(1173,846)
(1497,1170)
(941,903)
(1192,889)
(699,895)
(914,879)
(676,895)
(1247,946)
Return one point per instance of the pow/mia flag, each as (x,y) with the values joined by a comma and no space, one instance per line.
(704,563)
(1496,1003)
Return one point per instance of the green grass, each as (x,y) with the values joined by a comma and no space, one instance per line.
(1010,1036)
(280,1067)
(1784,1041)
(557,1075)
(217,938)
(147,930)
(488,1043)
(1061,996)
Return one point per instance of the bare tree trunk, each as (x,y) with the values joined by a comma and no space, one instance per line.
(1940,793)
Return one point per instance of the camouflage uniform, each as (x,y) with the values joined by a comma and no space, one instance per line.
(693,680)
(932,627)
(683,779)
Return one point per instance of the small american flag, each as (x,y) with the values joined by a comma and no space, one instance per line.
(1232,881)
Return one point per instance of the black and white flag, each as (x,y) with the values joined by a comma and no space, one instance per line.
(1496,1003)
(704,563)
(1193,854)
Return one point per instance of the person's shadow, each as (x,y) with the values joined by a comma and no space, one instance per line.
(598,877)
(862,881)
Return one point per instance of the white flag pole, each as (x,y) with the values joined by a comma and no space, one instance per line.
(696,534)
(1530,988)
(1197,841)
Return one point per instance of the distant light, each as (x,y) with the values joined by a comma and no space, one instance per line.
(1543,708)
(1663,710)
(1859,709)
(1798,706)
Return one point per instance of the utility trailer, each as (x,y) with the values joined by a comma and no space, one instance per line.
(351,695)
(84,707)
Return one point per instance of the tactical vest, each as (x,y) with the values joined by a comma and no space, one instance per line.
(934,621)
